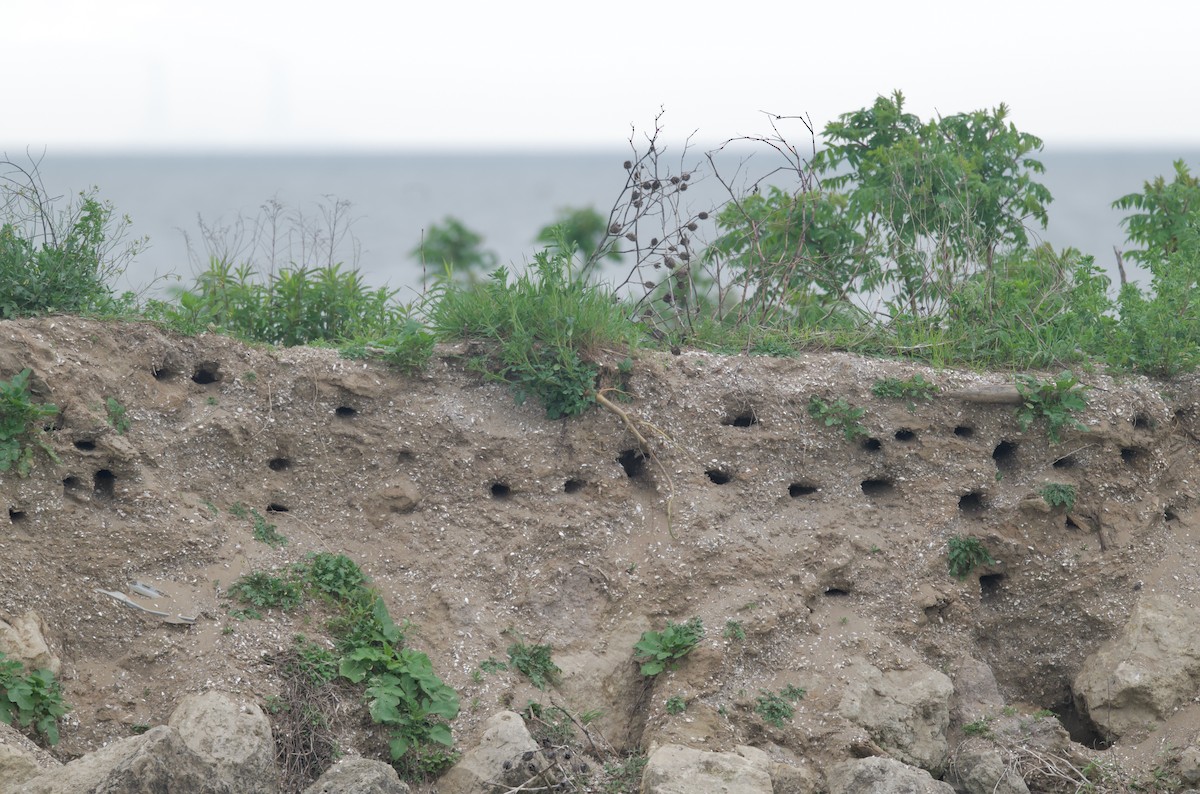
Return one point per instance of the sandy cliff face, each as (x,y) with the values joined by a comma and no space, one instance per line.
(475,517)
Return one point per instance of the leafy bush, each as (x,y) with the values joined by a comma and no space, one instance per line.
(657,650)
(31,701)
(290,306)
(57,259)
(335,575)
(266,533)
(1053,401)
(117,416)
(840,414)
(535,662)
(910,389)
(450,248)
(776,709)
(967,554)
(264,591)
(1059,495)
(407,347)
(542,330)
(676,705)
(21,422)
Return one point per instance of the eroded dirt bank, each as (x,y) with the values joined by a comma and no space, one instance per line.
(475,517)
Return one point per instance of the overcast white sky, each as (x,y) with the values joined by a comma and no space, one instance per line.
(345,74)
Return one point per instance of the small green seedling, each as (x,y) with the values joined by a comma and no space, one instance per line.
(839,414)
(966,554)
(1059,495)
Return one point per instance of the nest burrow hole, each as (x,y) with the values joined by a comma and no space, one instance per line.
(718,476)
(85,445)
(1131,456)
(964,431)
(1169,513)
(279,464)
(1141,422)
(971,503)
(871,444)
(1005,455)
(71,483)
(989,585)
(633,461)
(207,372)
(743,418)
(104,483)
(878,486)
(573,485)
(1066,462)
(15,515)
(904,434)
(798,489)
(836,592)
(277,507)
(345,412)
(164,372)
(500,490)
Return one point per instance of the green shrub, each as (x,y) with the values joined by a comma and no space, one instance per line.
(535,662)
(335,575)
(657,650)
(117,416)
(1053,401)
(290,306)
(31,701)
(449,248)
(965,555)
(21,421)
(408,347)
(541,330)
(776,709)
(676,705)
(266,533)
(1059,495)
(839,414)
(58,259)
(263,591)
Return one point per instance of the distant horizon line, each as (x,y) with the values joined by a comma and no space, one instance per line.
(483,151)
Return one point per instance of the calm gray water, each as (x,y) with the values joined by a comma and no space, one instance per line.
(505,197)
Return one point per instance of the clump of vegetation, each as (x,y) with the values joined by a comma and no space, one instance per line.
(734,630)
(1059,495)
(265,532)
(543,330)
(676,705)
(658,650)
(840,414)
(535,662)
(625,775)
(967,554)
(403,693)
(117,416)
(1053,401)
(908,389)
(776,708)
(32,701)
(58,259)
(21,425)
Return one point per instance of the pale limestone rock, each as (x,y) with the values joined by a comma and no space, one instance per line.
(674,769)
(234,737)
(906,712)
(882,776)
(1140,676)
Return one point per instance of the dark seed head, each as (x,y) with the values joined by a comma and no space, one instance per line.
(631,237)
(686,176)
(507,765)
(645,186)
(683,187)
(703,216)
(653,241)
(674,180)
(693,227)
(527,755)
(656,184)
(649,284)
(628,164)
(615,228)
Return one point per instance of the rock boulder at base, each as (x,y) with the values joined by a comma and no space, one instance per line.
(675,769)
(882,776)
(906,712)
(980,768)
(506,740)
(20,759)
(1140,676)
(234,737)
(359,776)
(23,639)
(157,761)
